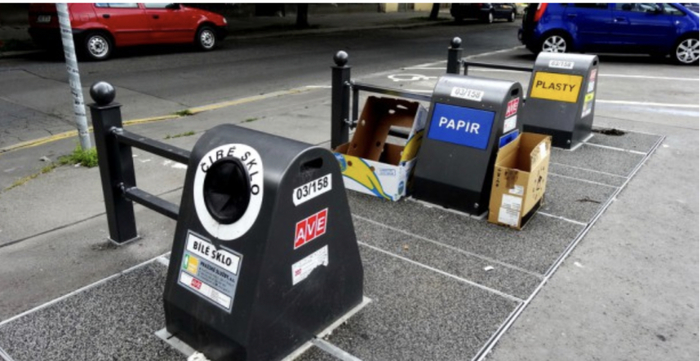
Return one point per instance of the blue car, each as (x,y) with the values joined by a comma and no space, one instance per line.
(643,28)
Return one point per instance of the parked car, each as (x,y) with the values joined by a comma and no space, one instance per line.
(647,28)
(99,28)
(694,7)
(483,11)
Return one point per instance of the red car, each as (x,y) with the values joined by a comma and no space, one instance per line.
(99,28)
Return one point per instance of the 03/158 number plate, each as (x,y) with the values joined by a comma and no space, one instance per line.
(312,189)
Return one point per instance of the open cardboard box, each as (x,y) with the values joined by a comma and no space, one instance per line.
(372,165)
(519,179)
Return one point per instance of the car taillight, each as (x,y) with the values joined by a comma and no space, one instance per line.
(540,11)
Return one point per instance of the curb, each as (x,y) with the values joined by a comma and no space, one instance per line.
(16,54)
(335,30)
(193,111)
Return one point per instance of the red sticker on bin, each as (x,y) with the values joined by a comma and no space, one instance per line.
(310,228)
(512,107)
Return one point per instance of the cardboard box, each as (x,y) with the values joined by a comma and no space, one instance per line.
(369,162)
(519,179)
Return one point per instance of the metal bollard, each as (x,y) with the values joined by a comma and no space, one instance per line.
(115,162)
(340,100)
(454,56)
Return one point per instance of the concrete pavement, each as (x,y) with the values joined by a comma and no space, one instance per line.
(627,291)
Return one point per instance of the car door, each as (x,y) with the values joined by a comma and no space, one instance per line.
(589,24)
(641,26)
(125,21)
(169,23)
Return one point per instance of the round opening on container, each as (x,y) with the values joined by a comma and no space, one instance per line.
(227,190)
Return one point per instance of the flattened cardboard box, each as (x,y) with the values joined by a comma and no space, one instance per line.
(371,165)
(519,179)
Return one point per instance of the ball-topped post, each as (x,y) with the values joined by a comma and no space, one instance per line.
(102,93)
(454,56)
(340,58)
(340,99)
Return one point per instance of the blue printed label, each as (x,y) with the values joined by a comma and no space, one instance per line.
(507,138)
(464,126)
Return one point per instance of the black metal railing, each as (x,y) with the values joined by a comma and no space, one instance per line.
(116,165)
(345,90)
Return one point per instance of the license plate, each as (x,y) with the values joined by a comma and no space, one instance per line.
(43,19)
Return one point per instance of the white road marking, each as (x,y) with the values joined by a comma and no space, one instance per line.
(81,289)
(562,218)
(646,77)
(494,52)
(472,283)
(583,180)
(647,104)
(603,75)
(616,148)
(475,255)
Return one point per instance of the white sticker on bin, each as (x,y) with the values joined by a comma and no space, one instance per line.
(205,290)
(302,269)
(561,64)
(469,94)
(312,189)
(509,124)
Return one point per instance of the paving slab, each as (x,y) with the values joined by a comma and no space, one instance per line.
(447,259)
(629,140)
(41,268)
(419,314)
(575,199)
(591,157)
(115,320)
(532,249)
(586,174)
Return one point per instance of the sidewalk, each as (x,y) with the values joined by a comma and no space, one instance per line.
(627,291)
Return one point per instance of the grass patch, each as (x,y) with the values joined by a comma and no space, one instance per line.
(250,120)
(184,113)
(185,134)
(86,158)
(26,179)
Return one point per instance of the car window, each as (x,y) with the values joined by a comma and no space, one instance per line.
(671,10)
(117,5)
(592,5)
(156,5)
(637,7)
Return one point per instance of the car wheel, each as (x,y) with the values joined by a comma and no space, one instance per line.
(686,51)
(98,46)
(511,18)
(555,43)
(206,38)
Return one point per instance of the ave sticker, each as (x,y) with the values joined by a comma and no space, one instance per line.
(310,228)
(253,163)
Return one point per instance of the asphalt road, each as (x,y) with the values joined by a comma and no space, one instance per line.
(180,77)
